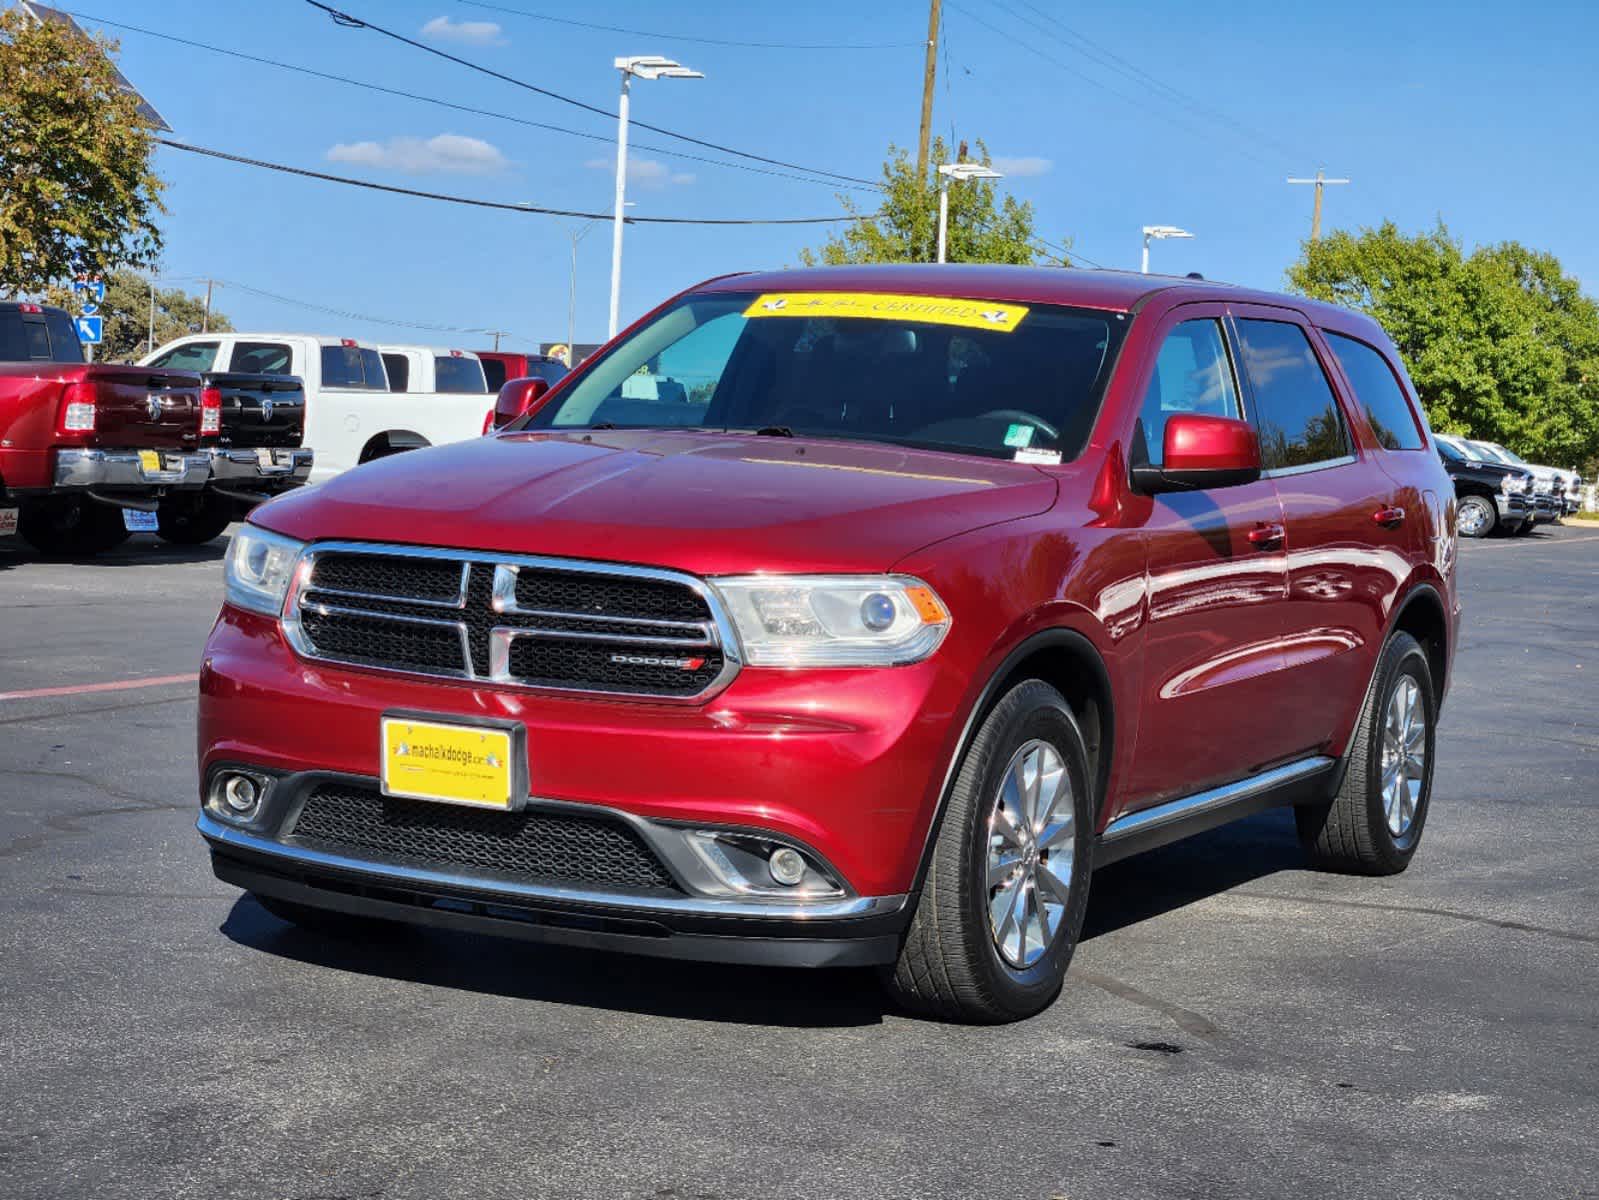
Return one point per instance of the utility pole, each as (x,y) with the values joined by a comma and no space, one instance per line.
(150,335)
(1321,181)
(928,74)
(496,334)
(205,321)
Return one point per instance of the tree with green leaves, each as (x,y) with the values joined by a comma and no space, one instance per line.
(903,227)
(77,194)
(1501,343)
(127,314)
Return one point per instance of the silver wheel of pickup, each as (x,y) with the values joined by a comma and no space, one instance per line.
(1475,516)
(1031,848)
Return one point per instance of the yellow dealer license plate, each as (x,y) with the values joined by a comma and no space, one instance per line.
(454,764)
(149,461)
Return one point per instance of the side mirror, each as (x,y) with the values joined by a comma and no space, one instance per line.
(517,398)
(1202,452)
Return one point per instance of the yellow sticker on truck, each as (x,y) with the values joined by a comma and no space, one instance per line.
(885,306)
(453,764)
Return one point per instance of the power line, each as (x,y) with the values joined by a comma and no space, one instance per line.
(499,204)
(345,19)
(450,104)
(684,37)
(350,315)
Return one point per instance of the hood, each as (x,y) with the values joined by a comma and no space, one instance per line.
(708,503)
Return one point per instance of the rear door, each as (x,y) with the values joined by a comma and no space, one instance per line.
(1347,544)
(1216,580)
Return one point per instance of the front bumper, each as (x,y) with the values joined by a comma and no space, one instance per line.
(1546,507)
(130,470)
(1514,508)
(257,474)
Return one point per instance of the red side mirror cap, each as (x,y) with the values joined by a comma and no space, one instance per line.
(1202,451)
(517,398)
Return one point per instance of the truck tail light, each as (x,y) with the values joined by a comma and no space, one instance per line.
(77,408)
(210,411)
(488,421)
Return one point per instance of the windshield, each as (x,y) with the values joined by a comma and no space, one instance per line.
(974,377)
(1509,456)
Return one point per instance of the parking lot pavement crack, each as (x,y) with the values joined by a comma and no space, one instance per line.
(88,781)
(1450,914)
(1185,1019)
(59,714)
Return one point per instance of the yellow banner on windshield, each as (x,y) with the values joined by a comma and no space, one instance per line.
(883,306)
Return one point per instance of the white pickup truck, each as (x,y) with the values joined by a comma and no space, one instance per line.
(352,415)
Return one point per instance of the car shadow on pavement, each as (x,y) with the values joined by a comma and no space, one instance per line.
(1123,894)
(139,551)
(564,975)
(1161,881)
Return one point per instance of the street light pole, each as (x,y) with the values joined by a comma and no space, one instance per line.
(645,66)
(958,172)
(1159,233)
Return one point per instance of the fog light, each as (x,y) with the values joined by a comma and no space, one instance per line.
(787,866)
(241,794)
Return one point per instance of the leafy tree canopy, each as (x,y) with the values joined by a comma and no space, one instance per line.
(77,194)
(904,226)
(1501,343)
(127,315)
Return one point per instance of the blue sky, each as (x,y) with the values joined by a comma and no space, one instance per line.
(1121,115)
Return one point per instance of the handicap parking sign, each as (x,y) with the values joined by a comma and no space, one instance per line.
(89,329)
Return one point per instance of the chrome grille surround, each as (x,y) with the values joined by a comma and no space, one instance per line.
(306,598)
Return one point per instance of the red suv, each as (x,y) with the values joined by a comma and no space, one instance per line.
(850,616)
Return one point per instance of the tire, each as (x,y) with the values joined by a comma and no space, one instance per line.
(193,520)
(326,921)
(1525,527)
(1353,833)
(73,529)
(1481,518)
(950,965)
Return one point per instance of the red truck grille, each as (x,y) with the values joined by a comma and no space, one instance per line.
(545,623)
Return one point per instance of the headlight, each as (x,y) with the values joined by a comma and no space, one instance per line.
(834,620)
(1511,485)
(259,567)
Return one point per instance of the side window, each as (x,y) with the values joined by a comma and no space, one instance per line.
(399,371)
(1192,375)
(353,367)
(64,344)
(193,356)
(1378,392)
(1299,421)
(262,358)
(494,373)
(458,375)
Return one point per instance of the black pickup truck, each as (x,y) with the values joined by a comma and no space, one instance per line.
(1489,496)
(253,443)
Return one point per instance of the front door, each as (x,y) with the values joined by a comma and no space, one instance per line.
(1216,577)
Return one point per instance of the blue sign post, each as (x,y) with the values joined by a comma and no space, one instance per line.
(91,330)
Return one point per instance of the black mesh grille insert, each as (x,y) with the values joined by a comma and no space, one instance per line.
(529,847)
(619,635)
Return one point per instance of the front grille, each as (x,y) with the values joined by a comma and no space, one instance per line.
(525,847)
(531,622)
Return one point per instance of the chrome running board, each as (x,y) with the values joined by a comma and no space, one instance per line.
(1291,783)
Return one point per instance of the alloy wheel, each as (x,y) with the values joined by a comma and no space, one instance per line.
(1404,756)
(1032,842)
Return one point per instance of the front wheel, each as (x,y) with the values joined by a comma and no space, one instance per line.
(1373,825)
(1005,893)
(1475,516)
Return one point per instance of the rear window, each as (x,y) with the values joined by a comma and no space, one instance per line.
(550,371)
(494,373)
(263,358)
(194,356)
(1378,392)
(38,337)
(966,376)
(452,374)
(1298,419)
(64,343)
(399,372)
(353,367)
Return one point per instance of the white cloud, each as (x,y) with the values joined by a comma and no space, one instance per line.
(1023,166)
(646,173)
(448,152)
(476,33)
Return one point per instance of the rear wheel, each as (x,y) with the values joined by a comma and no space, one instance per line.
(1007,887)
(1475,516)
(194,519)
(72,528)
(1373,825)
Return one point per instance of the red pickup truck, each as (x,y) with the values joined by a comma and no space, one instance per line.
(850,616)
(80,442)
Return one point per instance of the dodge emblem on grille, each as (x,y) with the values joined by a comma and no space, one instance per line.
(644,660)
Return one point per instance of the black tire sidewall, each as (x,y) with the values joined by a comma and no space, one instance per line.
(1034,710)
(1405,657)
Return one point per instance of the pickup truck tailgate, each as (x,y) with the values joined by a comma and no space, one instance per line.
(260,410)
(138,407)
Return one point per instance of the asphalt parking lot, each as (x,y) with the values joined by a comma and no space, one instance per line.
(1233,1025)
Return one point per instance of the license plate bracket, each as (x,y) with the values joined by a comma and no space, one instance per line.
(481,763)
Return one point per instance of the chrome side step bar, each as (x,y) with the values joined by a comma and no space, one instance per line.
(1292,783)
